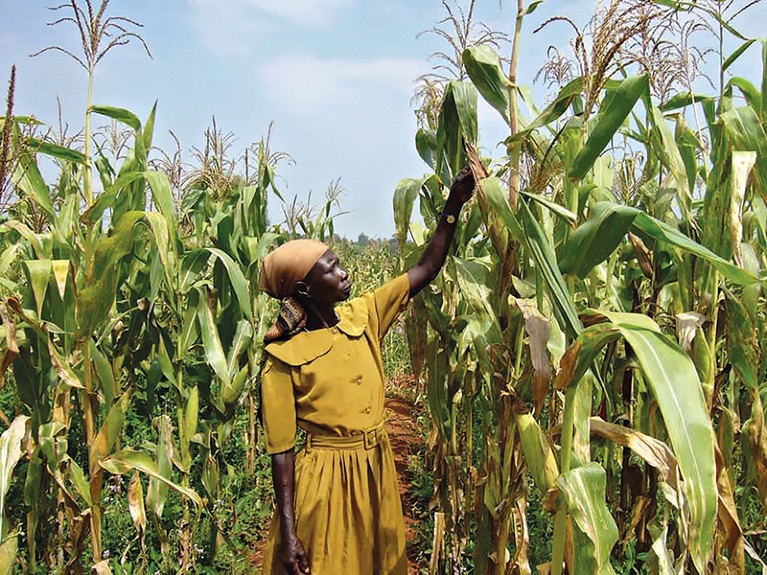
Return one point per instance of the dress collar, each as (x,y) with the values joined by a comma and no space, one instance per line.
(309,345)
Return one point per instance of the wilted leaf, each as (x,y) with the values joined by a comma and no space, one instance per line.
(10,453)
(127,459)
(136,502)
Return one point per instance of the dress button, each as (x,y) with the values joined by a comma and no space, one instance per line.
(358,381)
(367,410)
(334,330)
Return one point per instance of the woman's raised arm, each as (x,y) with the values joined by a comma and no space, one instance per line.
(435,253)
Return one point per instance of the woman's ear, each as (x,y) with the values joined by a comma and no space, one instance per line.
(302,289)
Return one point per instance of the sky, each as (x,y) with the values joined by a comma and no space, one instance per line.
(334,78)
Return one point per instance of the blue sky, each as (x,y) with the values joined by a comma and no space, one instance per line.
(336,78)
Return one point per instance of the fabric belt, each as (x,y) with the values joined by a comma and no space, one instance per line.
(366,439)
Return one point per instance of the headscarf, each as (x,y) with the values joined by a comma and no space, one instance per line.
(281,270)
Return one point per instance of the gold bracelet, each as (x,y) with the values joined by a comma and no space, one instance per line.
(449,218)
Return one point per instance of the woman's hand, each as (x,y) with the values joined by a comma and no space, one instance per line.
(293,557)
(461,189)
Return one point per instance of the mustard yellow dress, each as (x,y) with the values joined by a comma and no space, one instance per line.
(330,382)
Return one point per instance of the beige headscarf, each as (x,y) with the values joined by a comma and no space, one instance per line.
(287,265)
(281,270)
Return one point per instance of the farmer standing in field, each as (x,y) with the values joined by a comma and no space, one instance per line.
(338,506)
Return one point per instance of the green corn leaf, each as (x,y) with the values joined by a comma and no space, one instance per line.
(607,123)
(237,279)
(538,452)
(34,240)
(674,382)
(191,415)
(465,94)
(80,481)
(163,197)
(553,111)
(685,99)
(120,114)
(750,93)
(148,132)
(242,338)
(546,262)
(214,351)
(231,390)
(495,194)
(426,145)
(110,429)
(593,241)
(211,478)
(555,208)
(484,68)
(730,60)
(161,235)
(29,180)
(10,453)
(158,483)
(583,489)
(663,232)
(191,267)
(106,199)
(39,276)
(104,372)
(669,154)
(56,151)
(126,460)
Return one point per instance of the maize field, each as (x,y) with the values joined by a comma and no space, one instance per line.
(590,356)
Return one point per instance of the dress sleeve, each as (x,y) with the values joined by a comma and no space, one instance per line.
(278,406)
(388,301)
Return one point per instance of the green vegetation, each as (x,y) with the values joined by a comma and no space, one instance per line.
(590,356)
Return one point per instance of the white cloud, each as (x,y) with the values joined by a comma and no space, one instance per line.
(307,84)
(233,28)
(304,13)
(228,29)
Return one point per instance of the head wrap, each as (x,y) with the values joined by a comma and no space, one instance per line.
(287,265)
(281,270)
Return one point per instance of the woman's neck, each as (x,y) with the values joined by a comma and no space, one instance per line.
(319,318)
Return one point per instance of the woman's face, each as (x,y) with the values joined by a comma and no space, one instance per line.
(327,282)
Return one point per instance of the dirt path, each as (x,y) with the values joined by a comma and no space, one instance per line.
(405,438)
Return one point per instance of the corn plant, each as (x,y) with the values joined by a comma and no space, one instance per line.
(643,310)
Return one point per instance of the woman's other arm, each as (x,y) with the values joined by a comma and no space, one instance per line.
(292,554)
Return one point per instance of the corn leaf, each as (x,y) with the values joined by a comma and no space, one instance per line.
(484,68)
(607,123)
(546,262)
(594,240)
(674,382)
(237,279)
(214,351)
(8,550)
(110,429)
(120,114)
(136,502)
(583,489)
(10,453)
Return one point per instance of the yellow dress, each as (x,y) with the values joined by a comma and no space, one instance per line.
(330,383)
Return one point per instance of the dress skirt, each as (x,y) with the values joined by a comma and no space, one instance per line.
(348,510)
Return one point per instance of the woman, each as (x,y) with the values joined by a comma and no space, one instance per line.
(338,506)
